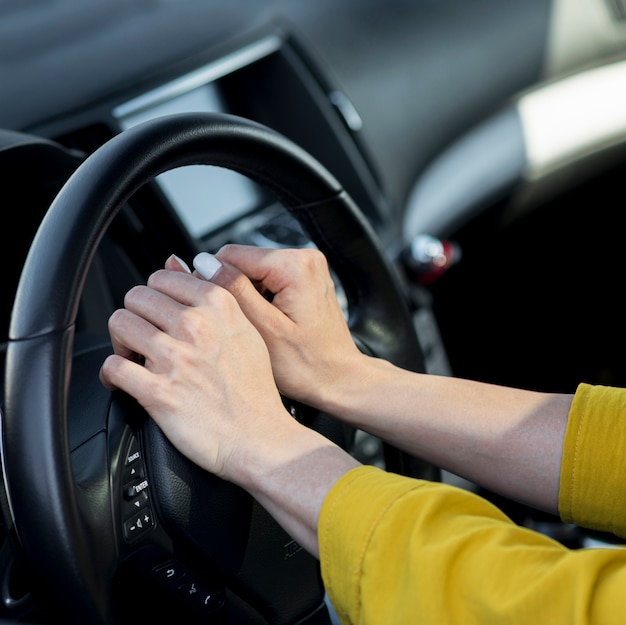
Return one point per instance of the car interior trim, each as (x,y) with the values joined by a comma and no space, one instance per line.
(576,123)
(574,117)
(477,169)
(583,32)
(217,69)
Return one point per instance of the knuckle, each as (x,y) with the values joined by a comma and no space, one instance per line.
(156,277)
(117,318)
(314,256)
(133,293)
(311,259)
(226,249)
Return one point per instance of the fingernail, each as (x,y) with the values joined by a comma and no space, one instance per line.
(182,263)
(206,265)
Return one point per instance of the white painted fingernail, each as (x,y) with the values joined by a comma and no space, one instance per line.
(182,263)
(206,265)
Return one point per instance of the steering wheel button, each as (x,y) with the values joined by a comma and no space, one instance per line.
(133,453)
(201,594)
(134,471)
(170,572)
(133,489)
(132,506)
(138,524)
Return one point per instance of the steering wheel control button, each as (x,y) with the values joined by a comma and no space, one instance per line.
(196,590)
(138,524)
(201,594)
(133,472)
(136,513)
(134,489)
(170,572)
(133,453)
(139,501)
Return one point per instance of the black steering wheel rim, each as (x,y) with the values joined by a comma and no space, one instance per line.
(47,510)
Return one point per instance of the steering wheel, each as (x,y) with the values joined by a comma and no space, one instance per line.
(103,509)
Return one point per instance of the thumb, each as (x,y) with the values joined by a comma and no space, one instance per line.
(249,295)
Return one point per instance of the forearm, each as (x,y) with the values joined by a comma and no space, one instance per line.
(507,440)
(292,481)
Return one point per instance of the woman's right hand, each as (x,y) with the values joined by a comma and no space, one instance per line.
(302,323)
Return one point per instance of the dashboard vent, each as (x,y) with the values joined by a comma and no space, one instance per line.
(618,8)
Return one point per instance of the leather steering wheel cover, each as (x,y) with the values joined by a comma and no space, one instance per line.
(36,454)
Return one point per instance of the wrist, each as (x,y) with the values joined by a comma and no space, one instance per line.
(356,390)
(269,462)
(292,477)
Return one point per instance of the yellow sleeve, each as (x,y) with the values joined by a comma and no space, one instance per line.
(593,470)
(399,550)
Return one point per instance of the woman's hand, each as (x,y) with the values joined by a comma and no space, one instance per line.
(303,325)
(204,372)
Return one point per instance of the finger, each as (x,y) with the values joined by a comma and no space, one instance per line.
(299,279)
(154,305)
(206,265)
(175,263)
(118,322)
(118,373)
(250,296)
(181,287)
(135,338)
(278,269)
(184,306)
(249,259)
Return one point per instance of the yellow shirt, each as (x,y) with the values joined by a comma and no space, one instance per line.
(397,550)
